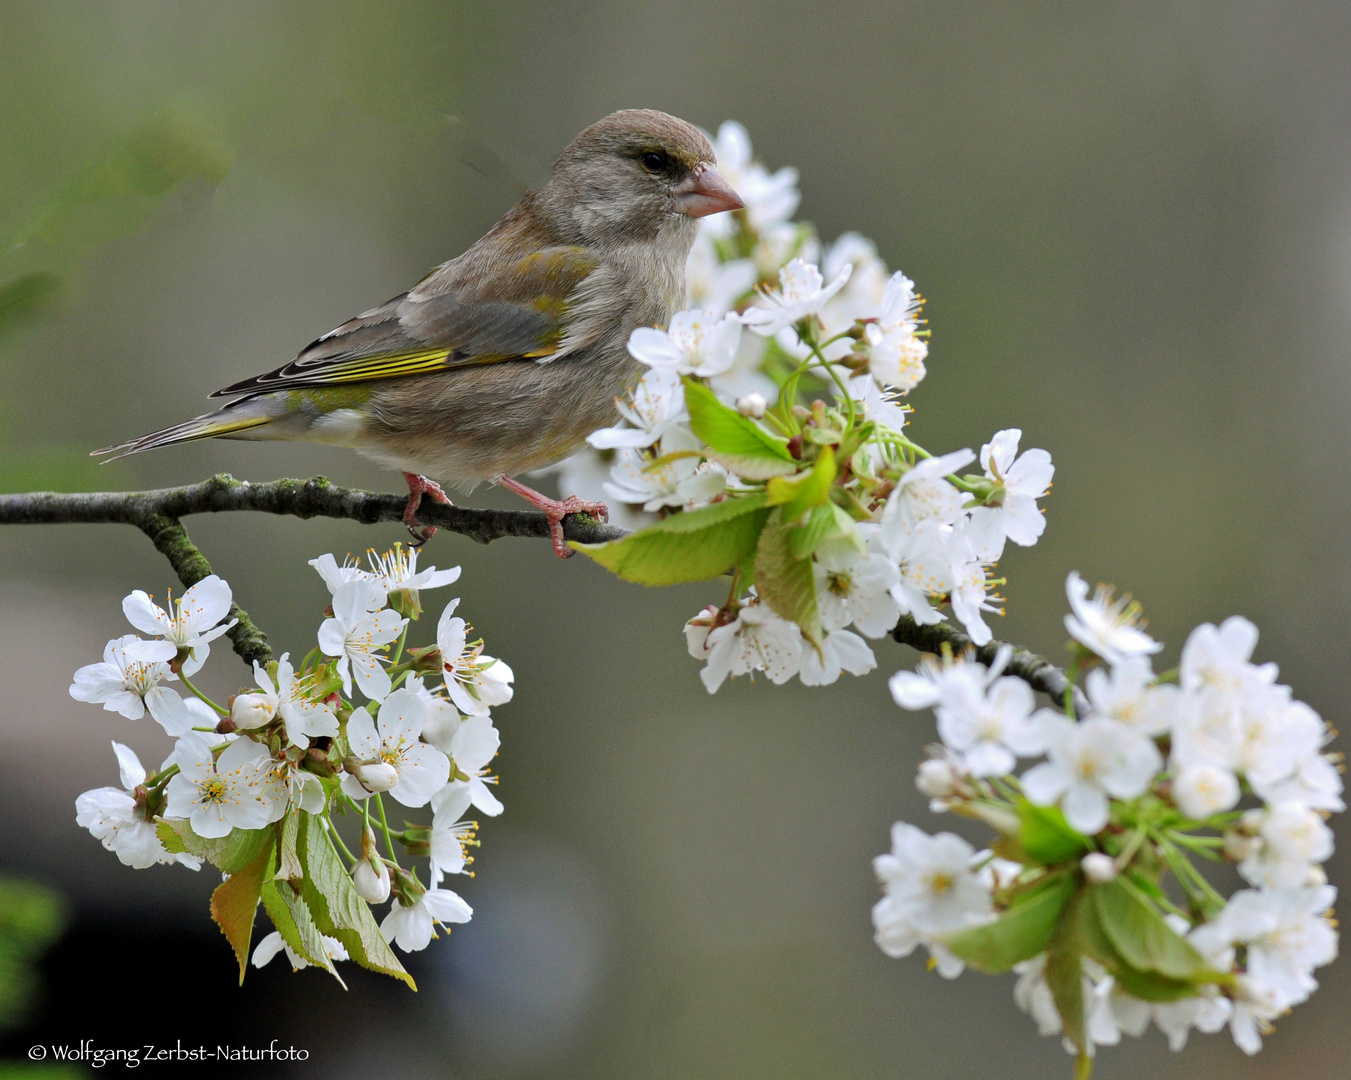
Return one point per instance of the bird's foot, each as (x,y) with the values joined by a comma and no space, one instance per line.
(556,510)
(419,486)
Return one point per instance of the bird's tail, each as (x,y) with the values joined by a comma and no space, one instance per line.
(232,421)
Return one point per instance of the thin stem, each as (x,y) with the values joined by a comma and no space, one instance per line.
(398,645)
(201,696)
(335,838)
(162,778)
(384,826)
(1123,860)
(1070,677)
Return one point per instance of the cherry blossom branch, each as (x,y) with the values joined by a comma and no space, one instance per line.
(1038,672)
(157,514)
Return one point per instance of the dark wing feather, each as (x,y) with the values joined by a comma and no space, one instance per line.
(516,310)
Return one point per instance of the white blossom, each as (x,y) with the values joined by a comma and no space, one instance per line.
(713,285)
(396,571)
(272,945)
(360,627)
(656,407)
(412,926)
(125,685)
(1105,625)
(475,682)
(112,816)
(878,405)
(895,354)
(1011,512)
(802,292)
(1088,763)
(192,626)
(853,587)
(924,687)
(1292,838)
(840,650)
(1202,790)
(234,791)
(756,640)
(922,497)
(770,198)
(930,890)
(421,770)
(702,343)
(1287,933)
(1129,695)
(987,722)
(1032,994)
(302,718)
(683,482)
(450,832)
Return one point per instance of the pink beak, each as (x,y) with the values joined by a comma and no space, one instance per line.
(704,192)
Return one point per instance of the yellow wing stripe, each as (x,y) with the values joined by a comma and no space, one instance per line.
(385,367)
(414,363)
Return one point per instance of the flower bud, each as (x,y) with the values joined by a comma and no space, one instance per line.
(249,711)
(1202,790)
(1238,847)
(371,881)
(936,779)
(377,776)
(1098,867)
(752,405)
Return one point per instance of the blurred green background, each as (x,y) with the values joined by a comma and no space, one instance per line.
(1133,225)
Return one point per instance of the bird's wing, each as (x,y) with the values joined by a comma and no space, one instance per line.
(523,308)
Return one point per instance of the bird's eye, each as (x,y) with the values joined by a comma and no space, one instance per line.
(654,161)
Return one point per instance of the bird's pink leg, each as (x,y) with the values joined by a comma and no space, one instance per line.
(555,510)
(419,486)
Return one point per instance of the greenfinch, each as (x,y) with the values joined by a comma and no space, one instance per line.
(504,359)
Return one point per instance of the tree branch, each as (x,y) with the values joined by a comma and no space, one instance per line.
(1038,672)
(157,514)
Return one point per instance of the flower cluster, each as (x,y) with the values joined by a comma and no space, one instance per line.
(1090,893)
(768,422)
(261,778)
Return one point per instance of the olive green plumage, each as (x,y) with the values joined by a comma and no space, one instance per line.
(505,358)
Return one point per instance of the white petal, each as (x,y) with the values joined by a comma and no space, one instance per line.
(128,766)
(423,771)
(144,614)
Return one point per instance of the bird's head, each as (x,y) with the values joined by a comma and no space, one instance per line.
(637,175)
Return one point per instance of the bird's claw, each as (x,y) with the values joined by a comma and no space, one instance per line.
(417,487)
(558,509)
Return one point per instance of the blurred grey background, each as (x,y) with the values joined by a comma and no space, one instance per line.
(1133,225)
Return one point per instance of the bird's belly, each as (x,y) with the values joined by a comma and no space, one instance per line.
(500,419)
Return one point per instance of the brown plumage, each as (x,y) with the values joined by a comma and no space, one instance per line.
(505,358)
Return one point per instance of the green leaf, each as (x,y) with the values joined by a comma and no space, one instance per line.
(230,853)
(288,857)
(294,922)
(805,491)
(825,523)
(1144,940)
(338,911)
(692,546)
(785,582)
(1019,934)
(1046,837)
(736,441)
(1064,972)
(235,901)
(1146,985)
